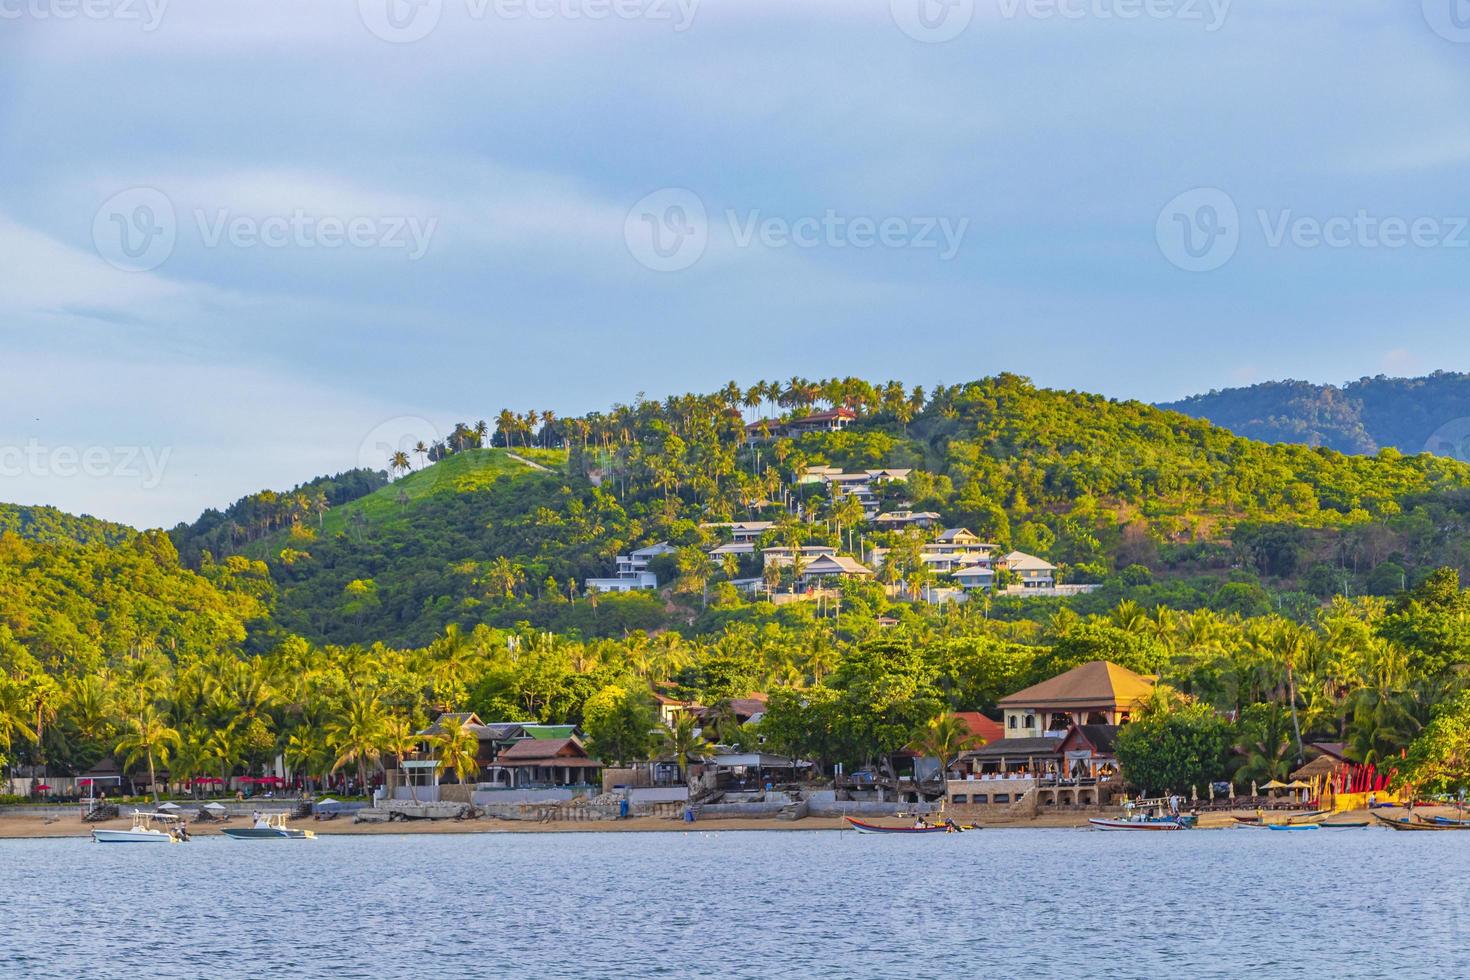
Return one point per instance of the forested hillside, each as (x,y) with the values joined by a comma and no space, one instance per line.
(50,524)
(1409,414)
(331,622)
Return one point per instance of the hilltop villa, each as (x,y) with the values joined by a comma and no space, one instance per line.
(633,573)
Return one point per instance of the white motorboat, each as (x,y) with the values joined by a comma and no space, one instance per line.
(271,827)
(143,831)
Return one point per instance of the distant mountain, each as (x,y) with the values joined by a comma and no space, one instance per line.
(1412,415)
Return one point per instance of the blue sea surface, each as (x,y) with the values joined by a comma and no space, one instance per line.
(995,903)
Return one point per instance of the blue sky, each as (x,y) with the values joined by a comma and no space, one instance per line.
(336,227)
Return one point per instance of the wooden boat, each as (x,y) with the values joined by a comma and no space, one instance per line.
(272,827)
(1134,823)
(1442,821)
(1293,826)
(863,827)
(1343,824)
(1404,823)
(142,831)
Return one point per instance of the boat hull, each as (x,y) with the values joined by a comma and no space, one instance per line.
(873,828)
(267,833)
(132,837)
(1102,823)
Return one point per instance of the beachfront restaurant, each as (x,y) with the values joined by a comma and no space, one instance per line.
(539,763)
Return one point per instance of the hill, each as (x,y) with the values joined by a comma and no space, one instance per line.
(1098,486)
(1412,415)
(51,525)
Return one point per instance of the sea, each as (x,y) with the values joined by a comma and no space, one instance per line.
(991,903)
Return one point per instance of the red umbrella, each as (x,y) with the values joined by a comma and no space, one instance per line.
(40,787)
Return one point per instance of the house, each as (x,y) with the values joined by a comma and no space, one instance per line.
(670,708)
(889,475)
(973,577)
(833,420)
(832,566)
(1031,572)
(895,519)
(955,548)
(742,531)
(985,729)
(737,548)
(633,573)
(1087,752)
(550,762)
(1096,693)
(784,556)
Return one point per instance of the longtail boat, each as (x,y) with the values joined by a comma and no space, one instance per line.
(863,827)
(1404,823)
(1135,823)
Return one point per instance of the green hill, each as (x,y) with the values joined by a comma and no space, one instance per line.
(1409,414)
(51,525)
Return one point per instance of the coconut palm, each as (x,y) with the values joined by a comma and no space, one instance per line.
(356,735)
(684,741)
(149,735)
(944,737)
(457,749)
(400,741)
(398,462)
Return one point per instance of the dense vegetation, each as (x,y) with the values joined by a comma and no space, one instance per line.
(1408,414)
(320,622)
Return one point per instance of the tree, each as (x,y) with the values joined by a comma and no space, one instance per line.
(457,749)
(148,735)
(1171,751)
(684,741)
(1439,759)
(400,741)
(357,733)
(943,737)
(619,724)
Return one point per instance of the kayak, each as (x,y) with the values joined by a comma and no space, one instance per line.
(864,827)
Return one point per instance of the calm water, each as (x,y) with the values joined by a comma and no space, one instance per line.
(1000,903)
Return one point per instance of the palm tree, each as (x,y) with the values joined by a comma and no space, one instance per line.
(400,741)
(458,751)
(945,737)
(148,734)
(306,752)
(398,462)
(684,741)
(421,449)
(356,735)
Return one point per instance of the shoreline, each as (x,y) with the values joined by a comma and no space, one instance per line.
(31,827)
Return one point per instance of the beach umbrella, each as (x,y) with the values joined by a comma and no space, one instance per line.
(215,807)
(1254,791)
(40,787)
(168,806)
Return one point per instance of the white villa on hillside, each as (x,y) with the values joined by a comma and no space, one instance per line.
(785,556)
(905,518)
(633,573)
(1031,572)
(832,566)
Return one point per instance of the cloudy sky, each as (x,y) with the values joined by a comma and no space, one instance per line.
(241,242)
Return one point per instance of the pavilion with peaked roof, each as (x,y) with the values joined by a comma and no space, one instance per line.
(1095,693)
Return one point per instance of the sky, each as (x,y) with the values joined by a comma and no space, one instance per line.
(245,244)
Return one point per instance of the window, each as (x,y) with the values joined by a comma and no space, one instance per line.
(1012,721)
(961,798)
(982,798)
(1030,721)
(1002,798)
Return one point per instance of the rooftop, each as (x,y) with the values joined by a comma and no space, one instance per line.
(1092,684)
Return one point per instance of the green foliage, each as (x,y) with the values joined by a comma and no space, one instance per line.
(1174,750)
(619,723)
